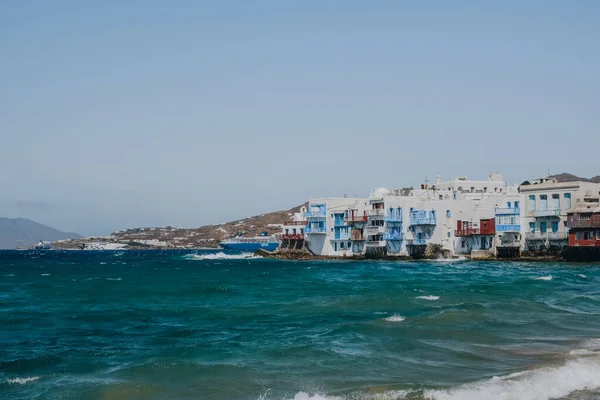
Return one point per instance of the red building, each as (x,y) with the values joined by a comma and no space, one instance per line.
(584,235)
(584,227)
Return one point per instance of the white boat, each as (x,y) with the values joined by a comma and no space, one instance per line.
(42,245)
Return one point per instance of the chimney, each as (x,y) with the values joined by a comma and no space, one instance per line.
(437,180)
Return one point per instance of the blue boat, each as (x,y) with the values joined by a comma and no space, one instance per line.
(263,241)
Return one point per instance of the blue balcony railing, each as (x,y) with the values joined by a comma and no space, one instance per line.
(393,236)
(508,228)
(417,242)
(342,236)
(508,211)
(420,220)
(316,229)
(393,219)
(546,213)
(316,214)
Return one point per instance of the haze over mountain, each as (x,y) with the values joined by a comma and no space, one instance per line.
(23,232)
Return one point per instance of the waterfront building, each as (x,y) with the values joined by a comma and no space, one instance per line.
(292,233)
(456,217)
(328,231)
(547,204)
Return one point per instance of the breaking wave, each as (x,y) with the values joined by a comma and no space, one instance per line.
(430,297)
(22,381)
(389,395)
(394,318)
(221,256)
(544,278)
(541,384)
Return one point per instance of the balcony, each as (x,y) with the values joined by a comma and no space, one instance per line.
(510,244)
(507,211)
(341,236)
(353,219)
(376,213)
(316,214)
(536,236)
(376,243)
(422,218)
(576,221)
(558,235)
(294,236)
(555,212)
(393,219)
(393,236)
(374,230)
(316,229)
(508,228)
(417,242)
(467,232)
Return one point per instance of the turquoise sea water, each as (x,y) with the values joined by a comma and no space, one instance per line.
(173,325)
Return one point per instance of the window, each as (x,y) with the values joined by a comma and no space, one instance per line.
(454,196)
(555,202)
(532,227)
(578,235)
(532,202)
(555,226)
(448,214)
(448,234)
(543,226)
(516,204)
(509,204)
(348,245)
(543,202)
(567,200)
(342,245)
(335,246)
(597,235)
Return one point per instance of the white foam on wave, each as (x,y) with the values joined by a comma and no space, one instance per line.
(394,318)
(10,275)
(221,256)
(539,384)
(442,259)
(113,279)
(544,278)
(22,381)
(45,274)
(581,276)
(582,352)
(389,395)
(430,297)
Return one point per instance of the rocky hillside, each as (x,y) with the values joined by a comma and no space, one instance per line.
(207,236)
(566,177)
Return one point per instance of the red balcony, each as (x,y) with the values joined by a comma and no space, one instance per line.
(295,236)
(467,232)
(356,218)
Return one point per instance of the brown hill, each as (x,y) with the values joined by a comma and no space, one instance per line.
(566,177)
(205,236)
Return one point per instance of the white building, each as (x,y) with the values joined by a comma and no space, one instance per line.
(547,203)
(458,216)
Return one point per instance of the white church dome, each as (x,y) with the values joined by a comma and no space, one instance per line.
(381,192)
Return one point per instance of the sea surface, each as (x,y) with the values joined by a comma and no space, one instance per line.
(211,325)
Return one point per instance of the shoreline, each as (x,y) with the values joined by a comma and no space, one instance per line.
(306,256)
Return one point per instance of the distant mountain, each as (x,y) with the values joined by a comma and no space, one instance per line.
(566,177)
(24,232)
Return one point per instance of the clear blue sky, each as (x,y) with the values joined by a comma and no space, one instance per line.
(142,112)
